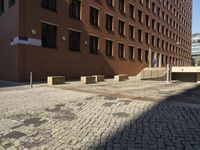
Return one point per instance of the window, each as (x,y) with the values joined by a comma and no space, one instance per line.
(48,4)
(121,27)
(11,3)
(141,2)
(166,60)
(146,56)
(163,43)
(140,16)
(152,40)
(162,59)
(121,50)
(158,42)
(75,7)
(122,6)
(147,20)
(1,6)
(109,22)
(94,16)
(49,35)
(153,8)
(109,48)
(159,14)
(131,31)
(109,3)
(139,35)
(153,24)
(147,38)
(94,44)
(147,4)
(139,54)
(74,40)
(131,52)
(158,27)
(131,11)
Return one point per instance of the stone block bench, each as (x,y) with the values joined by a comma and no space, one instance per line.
(99,78)
(54,80)
(88,79)
(121,77)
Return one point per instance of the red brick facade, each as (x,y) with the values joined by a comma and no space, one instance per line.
(26,16)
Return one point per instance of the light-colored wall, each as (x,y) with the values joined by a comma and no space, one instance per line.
(186,69)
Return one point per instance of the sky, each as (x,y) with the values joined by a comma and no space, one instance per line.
(196,17)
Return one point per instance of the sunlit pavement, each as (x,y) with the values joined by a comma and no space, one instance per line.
(109,115)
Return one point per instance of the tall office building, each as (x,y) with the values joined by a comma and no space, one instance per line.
(196,48)
(85,37)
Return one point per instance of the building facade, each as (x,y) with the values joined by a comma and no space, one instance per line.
(85,37)
(196,48)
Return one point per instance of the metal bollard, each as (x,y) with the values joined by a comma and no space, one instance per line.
(31,80)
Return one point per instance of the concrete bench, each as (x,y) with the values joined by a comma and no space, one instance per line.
(198,77)
(53,80)
(88,79)
(99,78)
(121,77)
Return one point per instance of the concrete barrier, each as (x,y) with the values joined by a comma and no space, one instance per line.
(99,78)
(54,80)
(198,78)
(88,79)
(121,77)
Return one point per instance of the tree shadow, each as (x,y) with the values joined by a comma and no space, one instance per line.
(164,126)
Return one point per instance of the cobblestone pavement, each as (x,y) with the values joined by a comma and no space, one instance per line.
(57,118)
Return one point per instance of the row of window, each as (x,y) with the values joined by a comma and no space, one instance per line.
(75,11)
(75,6)
(49,40)
(2,5)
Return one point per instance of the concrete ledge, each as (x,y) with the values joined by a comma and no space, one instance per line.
(121,77)
(88,79)
(53,80)
(99,78)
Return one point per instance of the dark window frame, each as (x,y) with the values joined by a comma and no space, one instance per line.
(47,5)
(94,44)
(46,33)
(94,16)
(74,40)
(131,52)
(121,50)
(109,48)
(2,7)
(109,23)
(75,9)
(11,3)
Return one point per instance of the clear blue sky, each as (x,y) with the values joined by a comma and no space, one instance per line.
(196,16)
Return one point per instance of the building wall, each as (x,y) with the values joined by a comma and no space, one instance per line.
(196,48)
(60,61)
(9,27)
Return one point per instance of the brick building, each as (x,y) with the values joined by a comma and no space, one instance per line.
(84,37)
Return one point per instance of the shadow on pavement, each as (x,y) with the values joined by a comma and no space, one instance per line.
(165,126)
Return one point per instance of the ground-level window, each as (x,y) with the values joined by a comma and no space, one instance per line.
(74,40)
(94,44)
(49,35)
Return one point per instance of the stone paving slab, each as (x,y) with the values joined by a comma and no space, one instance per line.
(57,118)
